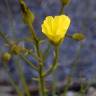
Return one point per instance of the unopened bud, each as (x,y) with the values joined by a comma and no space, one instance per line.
(28,16)
(78,36)
(6,57)
(16,49)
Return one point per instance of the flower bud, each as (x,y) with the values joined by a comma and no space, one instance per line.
(17,49)
(64,2)
(6,56)
(28,16)
(78,36)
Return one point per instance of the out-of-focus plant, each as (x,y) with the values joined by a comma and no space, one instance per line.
(55,29)
(6,57)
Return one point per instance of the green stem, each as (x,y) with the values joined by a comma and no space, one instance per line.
(12,82)
(5,38)
(28,62)
(34,37)
(82,89)
(41,82)
(41,79)
(69,79)
(61,10)
(54,64)
(22,78)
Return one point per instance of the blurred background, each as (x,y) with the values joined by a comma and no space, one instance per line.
(82,54)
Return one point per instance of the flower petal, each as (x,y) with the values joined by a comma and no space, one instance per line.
(47,25)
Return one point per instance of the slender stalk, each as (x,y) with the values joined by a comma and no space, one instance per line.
(41,79)
(54,64)
(61,10)
(22,78)
(41,83)
(82,89)
(28,62)
(69,79)
(5,38)
(34,37)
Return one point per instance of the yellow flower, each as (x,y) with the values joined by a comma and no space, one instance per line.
(55,28)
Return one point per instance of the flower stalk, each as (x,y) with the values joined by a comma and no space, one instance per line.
(41,82)
(55,62)
(22,78)
(40,70)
